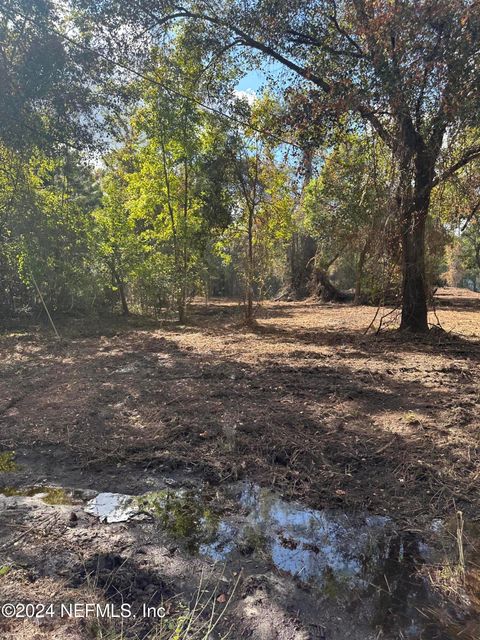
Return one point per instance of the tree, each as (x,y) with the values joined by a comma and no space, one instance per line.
(347,206)
(179,188)
(470,253)
(408,70)
(456,205)
(263,218)
(48,110)
(117,243)
(45,230)
(47,98)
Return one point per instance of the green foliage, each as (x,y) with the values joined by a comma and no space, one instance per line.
(456,209)
(347,209)
(48,98)
(470,254)
(7,461)
(166,192)
(5,569)
(349,196)
(255,243)
(184,201)
(45,229)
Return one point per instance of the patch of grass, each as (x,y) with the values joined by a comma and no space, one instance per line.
(198,621)
(49,495)
(6,568)
(412,418)
(7,461)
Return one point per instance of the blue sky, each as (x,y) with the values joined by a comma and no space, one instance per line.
(253,81)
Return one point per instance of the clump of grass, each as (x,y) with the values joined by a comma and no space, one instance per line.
(4,569)
(454,579)
(198,621)
(7,461)
(411,418)
(56,495)
(49,495)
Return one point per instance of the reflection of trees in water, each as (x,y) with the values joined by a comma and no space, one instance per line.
(402,592)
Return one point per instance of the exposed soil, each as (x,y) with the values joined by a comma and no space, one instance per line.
(304,402)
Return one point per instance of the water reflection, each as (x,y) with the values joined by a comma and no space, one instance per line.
(305,542)
(362,563)
(112,507)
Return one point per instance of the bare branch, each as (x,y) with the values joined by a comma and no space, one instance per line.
(304,38)
(473,214)
(470,154)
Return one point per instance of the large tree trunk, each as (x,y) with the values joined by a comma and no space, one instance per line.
(414,289)
(325,289)
(413,218)
(302,255)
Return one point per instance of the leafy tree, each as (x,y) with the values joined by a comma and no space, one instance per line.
(116,240)
(408,70)
(16,194)
(48,106)
(456,206)
(263,218)
(348,206)
(470,253)
(45,228)
(48,95)
(177,191)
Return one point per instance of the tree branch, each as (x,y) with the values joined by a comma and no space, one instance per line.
(249,41)
(364,110)
(376,123)
(304,38)
(342,32)
(473,213)
(470,154)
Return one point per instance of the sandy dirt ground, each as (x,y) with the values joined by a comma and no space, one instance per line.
(305,403)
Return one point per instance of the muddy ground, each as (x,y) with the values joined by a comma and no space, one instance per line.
(306,403)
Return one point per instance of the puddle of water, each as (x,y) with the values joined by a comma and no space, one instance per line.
(361,561)
(7,462)
(184,517)
(49,495)
(302,542)
(312,545)
(112,507)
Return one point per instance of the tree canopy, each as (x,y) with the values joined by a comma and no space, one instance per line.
(127,143)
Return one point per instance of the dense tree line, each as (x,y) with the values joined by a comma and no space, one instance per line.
(133,175)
